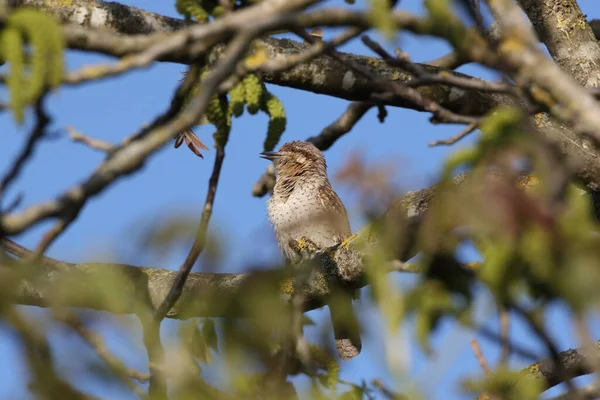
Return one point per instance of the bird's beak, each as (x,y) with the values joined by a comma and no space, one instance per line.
(269,155)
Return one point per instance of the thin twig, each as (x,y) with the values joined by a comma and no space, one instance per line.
(515,348)
(450,141)
(45,380)
(22,253)
(504,336)
(36,134)
(55,231)
(265,183)
(280,65)
(451,60)
(402,60)
(130,158)
(480,358)
(484,366)
(338,128)
(95,341)
(126,64)
(463,83)
(234,52)
(424,77)
(92,143)
(385,86)
(16,202)
(316,49)
(199,243)
(387,393)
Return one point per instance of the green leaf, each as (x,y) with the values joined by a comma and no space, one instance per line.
(381,16)
(210,334)
(508,385)
(355,393)
(199,348)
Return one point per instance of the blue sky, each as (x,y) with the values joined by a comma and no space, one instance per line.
(174,182)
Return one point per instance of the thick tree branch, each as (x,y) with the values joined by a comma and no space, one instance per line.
(201,289)
(525,62)
(589,392)
(75,285)
(321,75)
(130,157)
(59,283)
(575,362)
(346,265)
(561,26)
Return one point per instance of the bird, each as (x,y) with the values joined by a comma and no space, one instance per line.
(304,205)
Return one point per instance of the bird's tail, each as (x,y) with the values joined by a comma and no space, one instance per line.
(346,329)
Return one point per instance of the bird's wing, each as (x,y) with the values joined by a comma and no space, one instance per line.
(336,211)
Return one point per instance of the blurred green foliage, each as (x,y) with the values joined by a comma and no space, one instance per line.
(32,44)
(536,242)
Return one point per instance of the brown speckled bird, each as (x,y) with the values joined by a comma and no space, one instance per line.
(304,204)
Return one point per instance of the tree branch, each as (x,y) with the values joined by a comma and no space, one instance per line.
(321,75)
(525,62)
(59,283)
(198,294)
(37,133)
(589,392)
(75,284)
(199,242)
(573,362)
(561,27)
